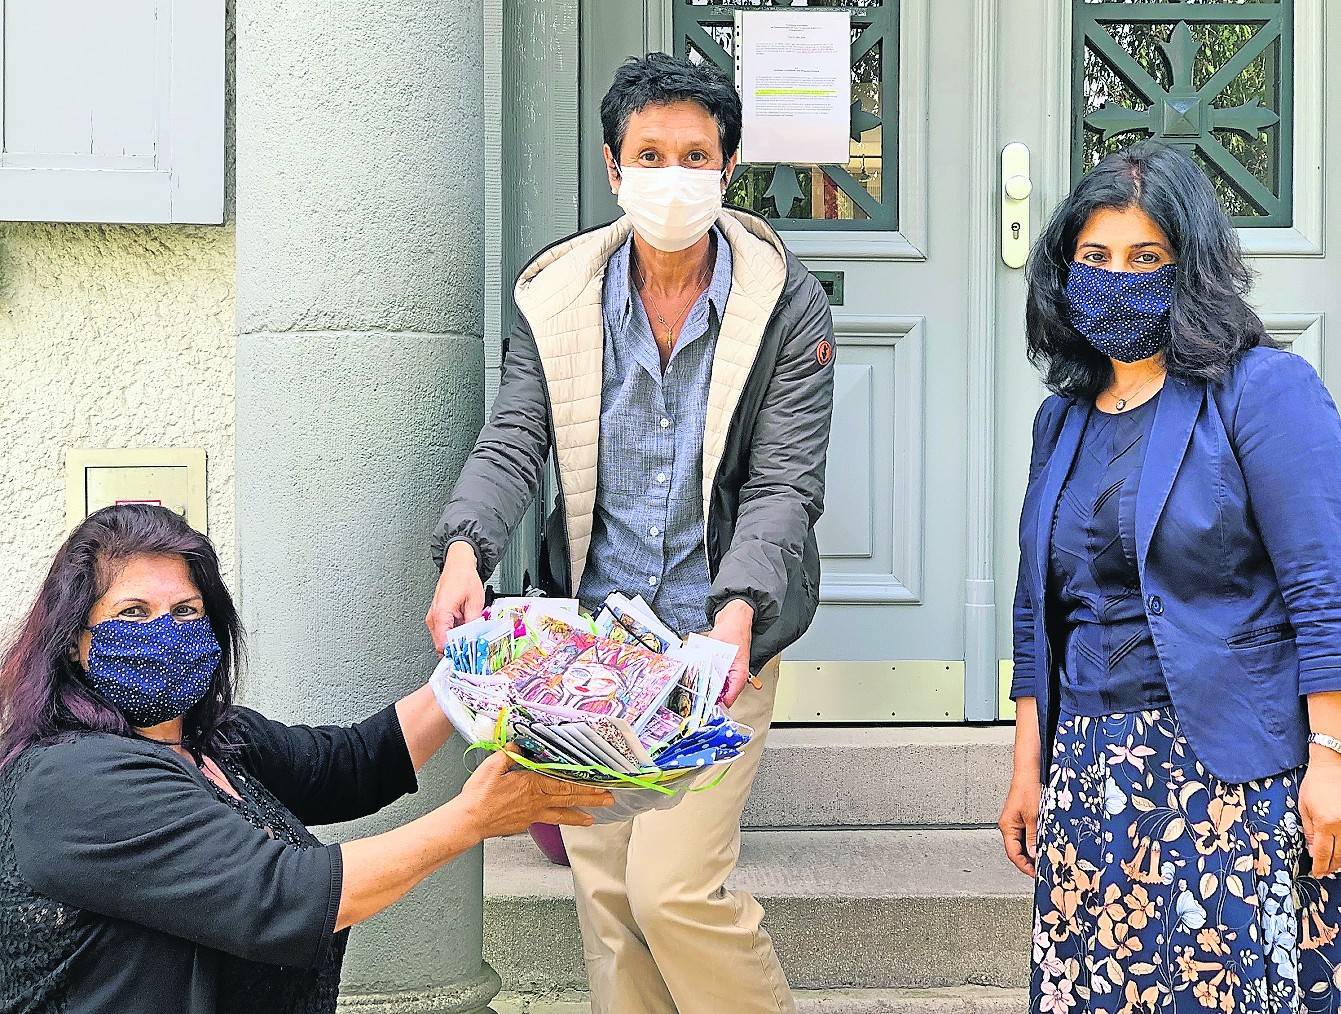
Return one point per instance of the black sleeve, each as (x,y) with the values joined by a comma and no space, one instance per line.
(329,773)
(782,497)
(502,475)
(127,831)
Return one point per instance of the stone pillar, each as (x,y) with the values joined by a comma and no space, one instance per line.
(359,393)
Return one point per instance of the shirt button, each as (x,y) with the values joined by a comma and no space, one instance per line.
(661,477)
(654,530)
(1156,605)
(665,423)
(652,581)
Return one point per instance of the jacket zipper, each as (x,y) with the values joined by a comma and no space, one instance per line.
(562,500)
(731,427)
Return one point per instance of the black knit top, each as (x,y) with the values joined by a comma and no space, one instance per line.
(130,882)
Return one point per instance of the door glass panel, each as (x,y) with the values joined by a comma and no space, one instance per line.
(861,195)
(1213,78)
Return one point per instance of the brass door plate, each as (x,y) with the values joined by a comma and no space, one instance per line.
(854,693)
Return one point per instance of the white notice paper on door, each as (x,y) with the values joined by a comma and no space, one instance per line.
(793,72)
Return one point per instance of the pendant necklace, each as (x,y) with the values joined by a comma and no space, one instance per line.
(669,329)
(1120,404)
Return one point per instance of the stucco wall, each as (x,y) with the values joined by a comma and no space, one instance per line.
(110,336)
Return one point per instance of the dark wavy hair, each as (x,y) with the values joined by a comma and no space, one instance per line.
(42,691)
(659,79)
(1211,323)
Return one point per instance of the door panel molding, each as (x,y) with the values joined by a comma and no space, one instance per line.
(901,540)
(1302,334)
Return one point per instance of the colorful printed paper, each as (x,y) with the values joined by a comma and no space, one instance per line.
(590,700)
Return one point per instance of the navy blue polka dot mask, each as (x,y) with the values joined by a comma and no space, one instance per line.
(156,671)
(1123,314)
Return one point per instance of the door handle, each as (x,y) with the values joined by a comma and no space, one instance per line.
(1016,187)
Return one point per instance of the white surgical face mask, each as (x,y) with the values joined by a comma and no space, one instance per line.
(672,208)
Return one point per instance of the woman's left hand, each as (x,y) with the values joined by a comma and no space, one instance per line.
(1320,809)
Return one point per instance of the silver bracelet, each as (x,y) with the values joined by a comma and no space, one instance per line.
(1322,739)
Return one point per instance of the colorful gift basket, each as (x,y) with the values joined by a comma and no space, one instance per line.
(617,700)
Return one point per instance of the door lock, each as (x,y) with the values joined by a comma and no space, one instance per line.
(1016,188)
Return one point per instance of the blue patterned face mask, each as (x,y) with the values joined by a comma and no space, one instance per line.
(1123,314)
(156,671)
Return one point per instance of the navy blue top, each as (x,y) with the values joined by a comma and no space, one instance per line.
(1238,534)
(1107,653)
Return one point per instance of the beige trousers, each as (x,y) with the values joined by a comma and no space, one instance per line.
(660,931)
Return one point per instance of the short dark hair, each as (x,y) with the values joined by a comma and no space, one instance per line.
(43,693)
(1211,324)
(659,79)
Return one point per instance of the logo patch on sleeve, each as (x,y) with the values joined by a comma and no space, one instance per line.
(824,352)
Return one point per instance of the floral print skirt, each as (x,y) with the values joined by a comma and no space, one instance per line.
(1162,888)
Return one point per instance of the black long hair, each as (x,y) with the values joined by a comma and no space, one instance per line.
(1211,323)
(42,690)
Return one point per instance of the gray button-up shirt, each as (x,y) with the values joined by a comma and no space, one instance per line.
(647,534)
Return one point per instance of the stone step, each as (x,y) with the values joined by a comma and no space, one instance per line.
(872,909)
(952,776)
(957,1000)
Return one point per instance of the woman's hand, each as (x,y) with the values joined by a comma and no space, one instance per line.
(496,801)
(1019,815)
(734,624)
(1320,793)
(459,596)
(500,799)
(1019,821)
(1320,809)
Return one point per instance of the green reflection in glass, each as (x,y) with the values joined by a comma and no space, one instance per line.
(1210,77)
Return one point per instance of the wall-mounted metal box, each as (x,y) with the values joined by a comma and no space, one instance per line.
(173,477)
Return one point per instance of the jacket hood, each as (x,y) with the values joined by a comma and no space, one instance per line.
(558,275)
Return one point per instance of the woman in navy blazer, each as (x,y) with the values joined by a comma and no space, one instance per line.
(1177,620)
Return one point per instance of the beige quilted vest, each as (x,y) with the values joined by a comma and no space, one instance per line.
(559,294)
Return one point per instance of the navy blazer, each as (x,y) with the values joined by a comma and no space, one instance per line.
(1238,545)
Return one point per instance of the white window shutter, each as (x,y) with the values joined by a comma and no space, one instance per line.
(112,111)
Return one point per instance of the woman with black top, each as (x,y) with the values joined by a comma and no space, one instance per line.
(1177,620)
(153,849)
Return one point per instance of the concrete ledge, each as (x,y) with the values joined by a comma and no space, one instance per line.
(962,1000)
(846,909)
(467,997)
(952,776)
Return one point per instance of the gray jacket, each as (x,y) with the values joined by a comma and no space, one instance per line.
(770,401)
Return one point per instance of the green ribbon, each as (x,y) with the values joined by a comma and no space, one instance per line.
(559,770)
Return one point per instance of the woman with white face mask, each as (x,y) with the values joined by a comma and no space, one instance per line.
(678,362)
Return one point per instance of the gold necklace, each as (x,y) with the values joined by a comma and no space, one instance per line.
(1120,404)
(668,337)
